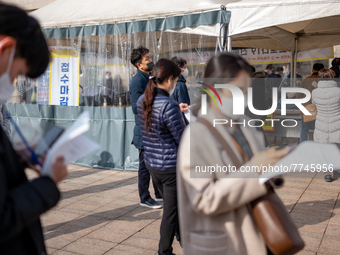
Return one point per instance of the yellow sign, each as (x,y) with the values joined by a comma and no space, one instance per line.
(269,125)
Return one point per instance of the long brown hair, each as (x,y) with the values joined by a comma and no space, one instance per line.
(162,70)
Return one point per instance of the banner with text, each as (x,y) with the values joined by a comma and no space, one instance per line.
(263,56)
(64,77)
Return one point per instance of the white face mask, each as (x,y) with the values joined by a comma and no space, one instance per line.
(6,85)
(172,90)
(185,73)
(227,105)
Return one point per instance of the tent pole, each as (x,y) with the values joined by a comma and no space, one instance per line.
(229,44)
(291,68)
(295,59)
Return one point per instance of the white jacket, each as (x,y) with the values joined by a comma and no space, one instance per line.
(326,99)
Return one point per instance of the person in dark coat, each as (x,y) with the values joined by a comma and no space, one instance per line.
(162,126)
(259,101)
(141,59)
(23,51)
(336,67)
(273,80)
(180,93)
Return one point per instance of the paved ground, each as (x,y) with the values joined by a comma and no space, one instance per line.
(100,214)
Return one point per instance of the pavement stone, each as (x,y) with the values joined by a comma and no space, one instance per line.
(89,246)
(140,242)
(127,249)
(100,214)
(62,252)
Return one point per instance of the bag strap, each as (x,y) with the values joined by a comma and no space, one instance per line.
(230,151)
(223,142)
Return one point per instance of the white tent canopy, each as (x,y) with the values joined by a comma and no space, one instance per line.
(89,12)
(293,25)
(102,31)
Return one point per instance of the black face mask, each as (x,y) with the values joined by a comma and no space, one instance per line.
(150,66)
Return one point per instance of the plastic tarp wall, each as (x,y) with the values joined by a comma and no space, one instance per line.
(105,73)
(104,53)
(105,69)
(111,127)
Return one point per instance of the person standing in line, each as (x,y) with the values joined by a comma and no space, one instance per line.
(180,93)
(298,80)
(326,99)
(269,80)
(259,101)
(336,67)
(278,76)
(279,72)
(273,80)
(309,83)
(269,71)
(214,205)
(23,51)
(141,59)
(162,127)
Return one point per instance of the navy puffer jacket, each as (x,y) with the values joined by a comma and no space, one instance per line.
(162,142)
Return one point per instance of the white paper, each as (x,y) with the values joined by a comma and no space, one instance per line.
(71,145)
(188,115)
(307,153)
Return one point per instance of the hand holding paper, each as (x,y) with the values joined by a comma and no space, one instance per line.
(188,114)
(307,157)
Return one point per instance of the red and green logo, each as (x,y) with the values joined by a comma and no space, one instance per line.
(209,93)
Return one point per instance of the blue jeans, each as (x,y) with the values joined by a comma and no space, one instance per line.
(305,127)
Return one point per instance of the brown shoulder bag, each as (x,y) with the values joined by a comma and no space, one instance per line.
(312,109)
(271,217)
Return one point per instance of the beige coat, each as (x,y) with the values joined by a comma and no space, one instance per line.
(215,215)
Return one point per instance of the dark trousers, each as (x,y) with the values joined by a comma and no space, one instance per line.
(144,180)
(166,183)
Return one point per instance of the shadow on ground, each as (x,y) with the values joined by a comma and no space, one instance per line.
(98,188)
(95,219)
(311,212)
